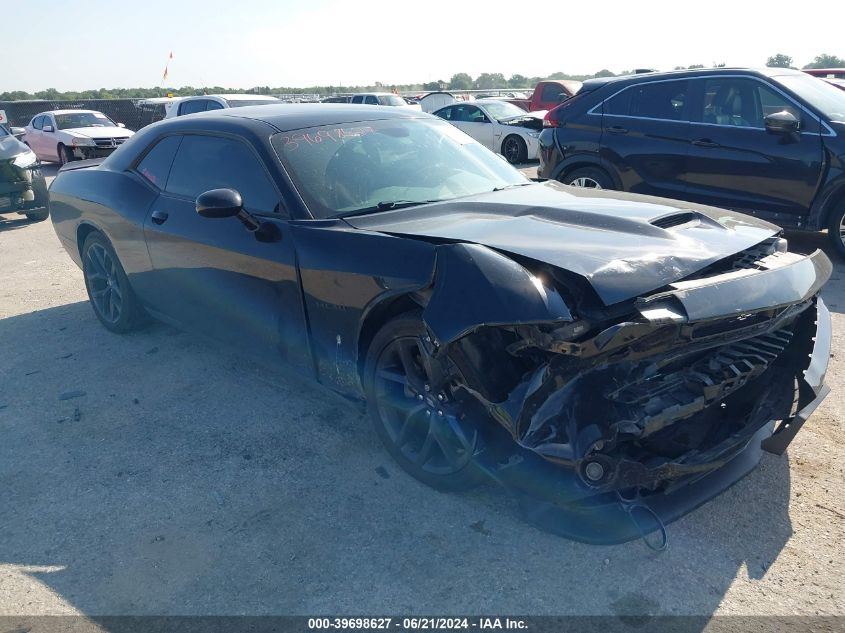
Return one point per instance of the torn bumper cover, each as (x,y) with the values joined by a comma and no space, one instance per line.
(663,411)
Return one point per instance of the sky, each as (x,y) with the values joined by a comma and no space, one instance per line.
(88,44)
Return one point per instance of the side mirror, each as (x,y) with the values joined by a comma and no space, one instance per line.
(120,125)
(18,132)
(782,123)
(219,203)
(47,128)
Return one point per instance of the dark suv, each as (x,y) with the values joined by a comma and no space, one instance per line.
(770,142)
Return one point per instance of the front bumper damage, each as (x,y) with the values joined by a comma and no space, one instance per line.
(22,190)
(612,435)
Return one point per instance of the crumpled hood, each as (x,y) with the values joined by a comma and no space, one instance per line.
(11,147)
(608,237)
(99,132)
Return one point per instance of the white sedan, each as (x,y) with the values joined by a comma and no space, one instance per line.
(61,136)
(498,125)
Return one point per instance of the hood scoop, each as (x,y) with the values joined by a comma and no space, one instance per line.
(675,219)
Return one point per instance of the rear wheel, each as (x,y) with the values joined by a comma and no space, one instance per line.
(836,229)
(109,291)
(588,178)
(515,150)
(422,430)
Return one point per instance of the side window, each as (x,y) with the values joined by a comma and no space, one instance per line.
(371,100)
(771,102)
(191,107)
(357,99)
(472,114)
(47,120)
(551,92)
(213,105)
(445,113)
(155,166)
(211,162)
(666,100)
(38,122)
(731,101)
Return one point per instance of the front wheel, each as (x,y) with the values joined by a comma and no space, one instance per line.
(422,430)
(63,154)
(515,150)
(588,178)
(836,230)
(37,216)
(109,291)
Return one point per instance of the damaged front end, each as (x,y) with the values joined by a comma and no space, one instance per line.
(654,405)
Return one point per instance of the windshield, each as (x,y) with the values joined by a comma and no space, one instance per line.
(391,100)
(83,119)
(825,98)
(239,103)
(348,167)
(502,110)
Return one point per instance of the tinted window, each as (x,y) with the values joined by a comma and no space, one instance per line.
(240,103)
(38,122)
(357,99)
(190,107)
(740,102)
(662,100)
(468,114)
(445,113)
(213,105)
(155,166)
(552,92)
(209,162)
(371,100)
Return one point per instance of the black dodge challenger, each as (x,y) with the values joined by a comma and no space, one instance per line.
(612,359)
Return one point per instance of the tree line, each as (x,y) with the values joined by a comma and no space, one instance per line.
(458,81)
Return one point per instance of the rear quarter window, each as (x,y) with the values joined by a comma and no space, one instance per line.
(156,164)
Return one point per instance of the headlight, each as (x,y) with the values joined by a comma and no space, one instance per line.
(534,134)
(27,159)
(82,142)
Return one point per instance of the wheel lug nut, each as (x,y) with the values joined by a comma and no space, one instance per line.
(440,397)
(439,412)
(419,396)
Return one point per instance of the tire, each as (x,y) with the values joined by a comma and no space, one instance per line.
(836,229)
(109,292)
(514,149)
(588,178)
(424,443)
(64,155)
(38,216)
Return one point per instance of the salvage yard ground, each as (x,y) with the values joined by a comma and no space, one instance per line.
(158,473)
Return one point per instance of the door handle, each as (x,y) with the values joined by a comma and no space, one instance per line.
(616,129)
(704,142)
(158,217)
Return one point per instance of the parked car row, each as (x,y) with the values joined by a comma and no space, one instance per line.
(765,142)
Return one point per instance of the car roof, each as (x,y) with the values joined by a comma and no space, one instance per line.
(689,73)
(293,116)
(68,111)
(233,97)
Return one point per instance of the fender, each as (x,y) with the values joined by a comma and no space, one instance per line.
(825,201)
(476,286)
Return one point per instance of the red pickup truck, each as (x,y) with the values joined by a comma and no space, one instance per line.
(548,94)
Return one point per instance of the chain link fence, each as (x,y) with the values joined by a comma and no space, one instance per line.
(133,113)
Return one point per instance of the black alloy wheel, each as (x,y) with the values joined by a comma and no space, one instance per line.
(424,431)
(108,288)
(514,150)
